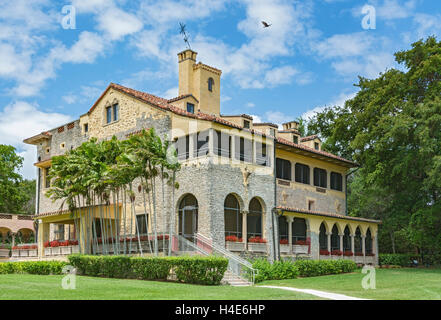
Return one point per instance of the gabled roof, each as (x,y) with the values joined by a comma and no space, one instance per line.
(309,138)
(323,153)
(182,97)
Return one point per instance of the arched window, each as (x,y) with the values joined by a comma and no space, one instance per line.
(323,238)
(357,241)
(188,216)
(210,84)
(298,231)
(232,217)
(368,242)
(335,239)
(347,240)
(254,219)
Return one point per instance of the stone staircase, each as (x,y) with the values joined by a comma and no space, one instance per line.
(234,280)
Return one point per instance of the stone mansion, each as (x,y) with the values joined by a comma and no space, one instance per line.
(250,187)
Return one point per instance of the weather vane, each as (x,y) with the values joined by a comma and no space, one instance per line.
(184,34)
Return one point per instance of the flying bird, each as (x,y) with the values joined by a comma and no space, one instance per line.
(266,25)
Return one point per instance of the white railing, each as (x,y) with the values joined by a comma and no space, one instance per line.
(203,245)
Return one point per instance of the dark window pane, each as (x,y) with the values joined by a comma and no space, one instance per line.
(108,114)
(302,173)
(320,177)
(202,143)
(115,112)
(190,107)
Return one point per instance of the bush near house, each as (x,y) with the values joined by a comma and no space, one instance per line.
(198,270)
(406,259)
(33,267)
(281,270)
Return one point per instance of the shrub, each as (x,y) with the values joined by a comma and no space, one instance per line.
(33,267)
(199,270)
(403,260)
(54,244)
(305,268)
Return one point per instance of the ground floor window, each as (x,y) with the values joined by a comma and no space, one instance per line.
(299,231)
(335,238)
(232,217)
(323,238)
(142,223)
(254,219)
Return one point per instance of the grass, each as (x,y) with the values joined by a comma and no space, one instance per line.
(391,284)
(36,287)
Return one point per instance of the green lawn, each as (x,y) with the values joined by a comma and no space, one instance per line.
(391,284)
(25,286)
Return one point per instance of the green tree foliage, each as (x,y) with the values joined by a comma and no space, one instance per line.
(16,195)
(393,129)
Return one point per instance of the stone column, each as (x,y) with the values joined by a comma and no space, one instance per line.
(375,249)
(290,220)
(244,228)
(341,241)
(191,146)
(13,234)
(254,151)
(43,236)
(363,244)
(328,234)
(211,142)
(232,148)
(353,243)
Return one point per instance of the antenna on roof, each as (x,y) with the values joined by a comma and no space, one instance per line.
(184,34)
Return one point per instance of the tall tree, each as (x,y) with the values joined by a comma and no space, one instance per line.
(16,195)
(393,129)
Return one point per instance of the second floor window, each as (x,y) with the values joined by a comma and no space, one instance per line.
(261,154)
(210,84)
(244,149)
(115,112)
(202,143)
(283,169)
(221,144)
(320,177)
(47,181)
(302,173)
(336,181)
(108,114)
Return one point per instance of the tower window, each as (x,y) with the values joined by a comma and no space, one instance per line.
(316,146)
(190,107)
(210,84)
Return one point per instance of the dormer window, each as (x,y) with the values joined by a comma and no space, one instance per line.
(272,132)
(190,107)
(210,84)
(295,139)
(246,124)
(316,146)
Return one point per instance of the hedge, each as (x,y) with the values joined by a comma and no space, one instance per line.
(280,270)
(33,267)
(406,259)
(198,270)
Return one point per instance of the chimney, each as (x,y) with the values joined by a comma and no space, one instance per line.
(291,125)
(187,59)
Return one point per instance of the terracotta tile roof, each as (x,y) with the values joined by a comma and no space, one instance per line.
(163,104)
(327,214)
(237,115)
(266,124)
(181,97)
(308,138)
(58,212)
(323,153)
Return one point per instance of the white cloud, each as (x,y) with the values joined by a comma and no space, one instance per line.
(256,119)
(345,45)
(116,23)
(171,93)
(337,101)
(250,105)
(21,120)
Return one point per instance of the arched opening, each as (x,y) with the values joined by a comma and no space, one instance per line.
(347,240)
(357,241)
(299,231)
(188,217)
(5,235)
(210,84)
(368,242)
(25,236)
(232,217)
(283,230)
(254,219)
(335,239)
(323,238)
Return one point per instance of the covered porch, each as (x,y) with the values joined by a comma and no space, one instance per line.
(324,236)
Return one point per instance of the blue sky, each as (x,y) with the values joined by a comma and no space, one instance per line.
(309,58)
